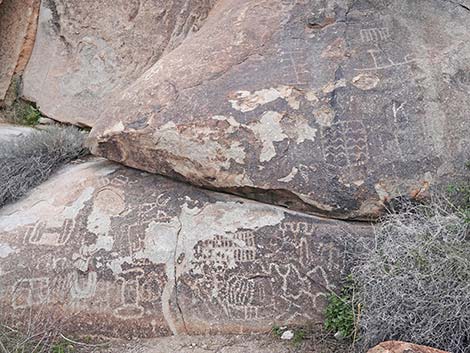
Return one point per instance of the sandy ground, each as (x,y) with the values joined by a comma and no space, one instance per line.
(266,343)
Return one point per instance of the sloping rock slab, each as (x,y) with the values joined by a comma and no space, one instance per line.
(109,250)
(9,132)
(403,347)
(18,19)
(329,109)
(87,50)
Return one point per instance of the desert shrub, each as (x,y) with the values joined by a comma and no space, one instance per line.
(340,313)
(414,282)
(17,110)
(46,340)
(29,160)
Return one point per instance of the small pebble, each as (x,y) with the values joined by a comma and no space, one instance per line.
(287,335)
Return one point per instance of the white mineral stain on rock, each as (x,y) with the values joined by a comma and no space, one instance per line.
(298,129)
(222,218)
(324,116)
(167,241)
(107,203)
(196,225)
(311,96)
(160,243)
(269,130)
(115,129)
(71,192)
(233,124)
(5,250)
(199,152)
(382,191)
(246,101)
(290,176)
(365,81)
(13,216)
(330,87)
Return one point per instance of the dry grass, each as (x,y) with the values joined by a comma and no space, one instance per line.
(29,160)
(414,282)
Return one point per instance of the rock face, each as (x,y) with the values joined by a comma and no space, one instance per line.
(87,50)
(9,132)
(18,20)
(402,347)
(331,109)
(124,253)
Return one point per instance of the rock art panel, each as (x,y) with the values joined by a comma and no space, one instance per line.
(18,20)
(331,109)
(122,253)
(87,50)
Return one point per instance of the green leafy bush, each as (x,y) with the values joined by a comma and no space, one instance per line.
(30,115)
(339,314)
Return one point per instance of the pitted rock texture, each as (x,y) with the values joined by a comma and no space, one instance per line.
(18,20)
(403,347)
(87,50)
(110,250)
(333,109)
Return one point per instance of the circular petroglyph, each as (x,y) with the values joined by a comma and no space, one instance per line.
(110,202)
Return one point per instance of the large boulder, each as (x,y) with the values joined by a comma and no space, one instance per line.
(18,21)
(87,50)
(104,249)
(332,109)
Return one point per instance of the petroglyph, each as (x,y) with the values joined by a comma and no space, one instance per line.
(40,234)
(237,260)
(29,292)
(345,145)
(130,295)
(227,252)
(382,61)
(84,286)
(375,34)
(290,176)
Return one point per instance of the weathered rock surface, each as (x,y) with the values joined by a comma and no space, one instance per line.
(18,20)
(402,347)
(114,251)
(86,51)
(331,109)
(8,132)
